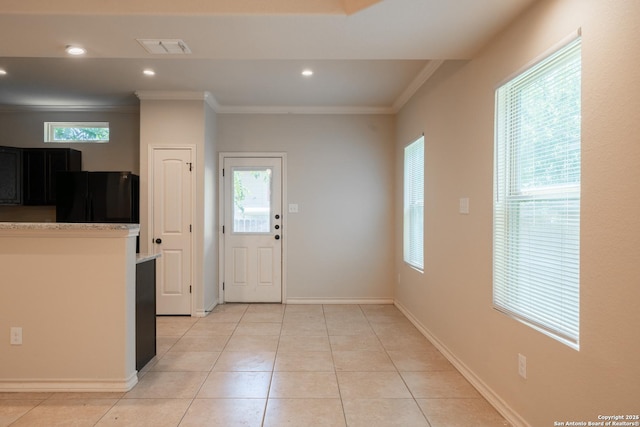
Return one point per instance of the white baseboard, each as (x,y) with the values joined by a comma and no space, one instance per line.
(206,311)
(494,400)
(339,301)
(68,385)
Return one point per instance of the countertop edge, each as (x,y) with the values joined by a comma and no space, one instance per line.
(140,258)
(62,228)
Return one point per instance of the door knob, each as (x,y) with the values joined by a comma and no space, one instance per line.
(277,237)
(158,241)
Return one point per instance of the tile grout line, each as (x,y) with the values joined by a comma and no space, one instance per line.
(398,371)
(335,371)
(273,367)
(199,388)
(212,366)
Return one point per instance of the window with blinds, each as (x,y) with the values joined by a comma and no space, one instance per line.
(414,204)
(536,236)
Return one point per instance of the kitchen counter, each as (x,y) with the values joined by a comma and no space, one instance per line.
(17,227)
(71,289)
(68,227)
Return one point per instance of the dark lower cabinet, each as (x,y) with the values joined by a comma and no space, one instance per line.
(10,176)
(145,312)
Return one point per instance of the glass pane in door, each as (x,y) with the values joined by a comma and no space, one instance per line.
(251,200)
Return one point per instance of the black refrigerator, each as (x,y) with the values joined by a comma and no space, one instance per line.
(108,197)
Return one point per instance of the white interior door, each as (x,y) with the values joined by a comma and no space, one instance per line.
(172,206)
(253,229)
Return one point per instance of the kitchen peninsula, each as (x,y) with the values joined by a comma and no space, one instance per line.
(68,307)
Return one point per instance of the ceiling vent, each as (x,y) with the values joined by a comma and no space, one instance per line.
(165,46)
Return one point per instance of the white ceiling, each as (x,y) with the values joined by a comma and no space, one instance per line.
(248,58)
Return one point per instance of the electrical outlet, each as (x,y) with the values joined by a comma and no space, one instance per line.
(522,366)
(16,336)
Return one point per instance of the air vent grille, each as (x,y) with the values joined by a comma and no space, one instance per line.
(165,46)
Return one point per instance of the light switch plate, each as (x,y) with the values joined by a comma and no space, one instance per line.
(464,205)
(522,366)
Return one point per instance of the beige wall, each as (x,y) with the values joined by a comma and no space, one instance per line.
(210,251)
(189,123)
(452,300)
(340,173)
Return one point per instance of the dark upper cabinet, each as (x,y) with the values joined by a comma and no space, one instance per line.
(40,166)
(10,176)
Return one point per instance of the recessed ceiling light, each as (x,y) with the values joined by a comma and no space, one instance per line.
(75,50)
(307,72)
(149,72)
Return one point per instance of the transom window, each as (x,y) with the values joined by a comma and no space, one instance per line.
(66,132)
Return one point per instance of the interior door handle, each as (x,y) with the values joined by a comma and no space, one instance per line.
(158,241)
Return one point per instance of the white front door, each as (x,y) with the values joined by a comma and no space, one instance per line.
(253,229)
(172,206)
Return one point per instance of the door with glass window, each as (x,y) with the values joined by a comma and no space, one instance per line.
(252,229)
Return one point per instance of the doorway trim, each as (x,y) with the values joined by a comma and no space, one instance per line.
(221,206)
(150,209)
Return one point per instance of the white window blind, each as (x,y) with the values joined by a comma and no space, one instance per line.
(414,204)
(537,196)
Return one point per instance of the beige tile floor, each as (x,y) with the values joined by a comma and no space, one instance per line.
(277,365)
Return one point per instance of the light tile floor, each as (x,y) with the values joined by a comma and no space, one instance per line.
(277,365)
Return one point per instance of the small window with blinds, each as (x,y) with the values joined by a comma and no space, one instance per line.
(414,204)
(536,237)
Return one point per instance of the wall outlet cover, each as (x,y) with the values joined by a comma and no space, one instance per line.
(16,335)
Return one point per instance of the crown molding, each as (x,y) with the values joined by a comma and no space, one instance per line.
(257,109)
(169,95)
(159,95)
(424,75)
(299,109)
(69,108)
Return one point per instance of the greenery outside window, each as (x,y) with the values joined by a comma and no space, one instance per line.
(536,233)
(70,132)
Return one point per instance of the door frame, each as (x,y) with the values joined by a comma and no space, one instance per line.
(151,208)
(221,208)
